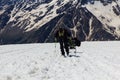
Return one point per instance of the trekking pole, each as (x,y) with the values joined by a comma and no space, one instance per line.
(75,50)
(55,47)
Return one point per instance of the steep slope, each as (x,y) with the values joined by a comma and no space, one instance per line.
(35,21)
(26,18)
(109,15)
(85,25)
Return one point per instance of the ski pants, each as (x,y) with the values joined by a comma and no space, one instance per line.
(64,45)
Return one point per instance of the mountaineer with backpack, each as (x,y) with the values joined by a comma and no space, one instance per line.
(67,40)
(63,35)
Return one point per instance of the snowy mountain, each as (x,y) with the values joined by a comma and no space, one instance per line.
(35,62)
(26,21)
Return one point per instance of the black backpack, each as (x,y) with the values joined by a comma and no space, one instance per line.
(74,42)
(77,42)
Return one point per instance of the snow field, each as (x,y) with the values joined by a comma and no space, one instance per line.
(93,61)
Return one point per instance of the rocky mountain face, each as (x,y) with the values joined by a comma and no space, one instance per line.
(32,21)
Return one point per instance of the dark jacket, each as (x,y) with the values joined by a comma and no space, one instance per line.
(62,34)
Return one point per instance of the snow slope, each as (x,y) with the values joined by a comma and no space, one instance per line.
(106,14)
(93,61)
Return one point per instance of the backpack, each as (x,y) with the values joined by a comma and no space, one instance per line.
(74,42)
(77,42)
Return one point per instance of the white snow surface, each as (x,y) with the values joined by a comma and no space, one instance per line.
(93,61)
